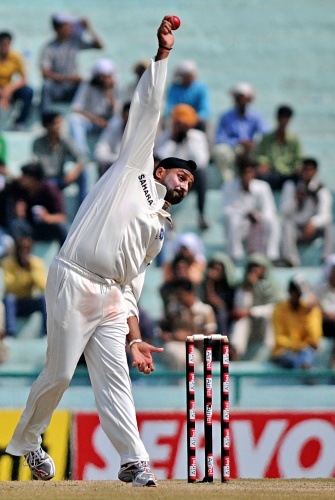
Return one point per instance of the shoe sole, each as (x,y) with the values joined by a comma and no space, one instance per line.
(150,484)
(42,478)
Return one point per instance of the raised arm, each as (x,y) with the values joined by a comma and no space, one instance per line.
(165,39)
(96,40)
(138,139)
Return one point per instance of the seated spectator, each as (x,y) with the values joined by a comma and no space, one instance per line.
(138,69)
(250,215)
(182,140)
(189,246)
(187,316)
(13,82)
(59,58)
(107,148)
(306,207)
(180,269)
(297,329)
(93,105)
(325,293)
(219,288)
(25,280)
(253,304)
(53,150)
(238,131)
(186,88)
(34,206)
(279,153)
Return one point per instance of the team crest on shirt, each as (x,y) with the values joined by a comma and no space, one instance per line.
(160,235)
(145,188)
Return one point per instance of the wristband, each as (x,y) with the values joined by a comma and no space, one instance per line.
(165,48)
(135,341)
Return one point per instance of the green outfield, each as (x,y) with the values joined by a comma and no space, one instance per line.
(267,489)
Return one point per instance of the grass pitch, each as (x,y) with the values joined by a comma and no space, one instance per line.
(267,489)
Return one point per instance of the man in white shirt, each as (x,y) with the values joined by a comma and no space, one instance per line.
(306,207)
(250,215)
(185,315)
(185,141)
(59,66)
(96,280)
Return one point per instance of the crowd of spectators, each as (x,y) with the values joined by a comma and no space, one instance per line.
(264,319)
(273,201)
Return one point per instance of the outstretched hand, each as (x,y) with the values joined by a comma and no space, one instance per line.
(141,354)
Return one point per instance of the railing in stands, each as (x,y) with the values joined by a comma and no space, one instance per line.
(81,374)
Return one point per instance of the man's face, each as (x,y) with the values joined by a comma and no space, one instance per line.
(4,47)
(283,121)
(64,30)
(294,296)
(107,81)
(308,172)
(216,271)
(186,79)
(179,128)
(185,297)
(247,175)
(177,181)
(28,182)
(182,269)
(255,272)
(56,126)
(241,100)
(23,246)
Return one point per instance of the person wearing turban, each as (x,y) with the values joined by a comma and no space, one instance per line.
(183,140)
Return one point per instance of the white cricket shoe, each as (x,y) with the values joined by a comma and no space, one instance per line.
(41,464)
(137,473)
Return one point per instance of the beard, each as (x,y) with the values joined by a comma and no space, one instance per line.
(174,196)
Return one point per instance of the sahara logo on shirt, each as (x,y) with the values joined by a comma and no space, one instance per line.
(146,192)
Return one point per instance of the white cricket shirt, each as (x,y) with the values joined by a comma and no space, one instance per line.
(119,227)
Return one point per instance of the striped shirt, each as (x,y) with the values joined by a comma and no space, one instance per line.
(61,57)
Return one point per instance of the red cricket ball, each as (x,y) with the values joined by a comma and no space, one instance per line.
(175,22)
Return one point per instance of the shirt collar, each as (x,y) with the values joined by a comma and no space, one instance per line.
(161,190)
(314,183)
(241,187)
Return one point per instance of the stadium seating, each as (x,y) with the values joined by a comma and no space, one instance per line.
(284,70)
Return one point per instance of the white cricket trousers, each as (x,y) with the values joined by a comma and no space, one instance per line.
(85,314)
